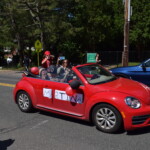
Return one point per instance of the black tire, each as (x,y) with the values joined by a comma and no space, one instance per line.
(107,118)
(24,102)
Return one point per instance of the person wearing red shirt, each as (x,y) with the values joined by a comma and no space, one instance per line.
(47,61)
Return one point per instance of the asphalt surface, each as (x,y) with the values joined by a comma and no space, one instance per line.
(11,77)
(46,131)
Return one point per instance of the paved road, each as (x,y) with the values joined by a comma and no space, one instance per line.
(11,77)
(47,131)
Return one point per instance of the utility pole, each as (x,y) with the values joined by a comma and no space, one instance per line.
(125,54)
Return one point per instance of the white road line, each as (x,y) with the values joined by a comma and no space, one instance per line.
(39,124)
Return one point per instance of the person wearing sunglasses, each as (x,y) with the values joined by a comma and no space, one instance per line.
(63,70)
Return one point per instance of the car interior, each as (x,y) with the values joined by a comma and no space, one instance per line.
(47,74)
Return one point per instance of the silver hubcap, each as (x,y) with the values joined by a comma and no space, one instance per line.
(23,101)
(105,118)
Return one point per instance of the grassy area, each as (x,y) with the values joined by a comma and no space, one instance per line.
(134,63)
(120,65)
(12,68)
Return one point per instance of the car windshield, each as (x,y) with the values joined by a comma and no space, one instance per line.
(95,74)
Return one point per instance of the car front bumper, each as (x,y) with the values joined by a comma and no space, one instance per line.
(136,118)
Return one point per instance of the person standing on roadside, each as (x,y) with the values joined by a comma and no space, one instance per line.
(9,60)
(97,58)
(26,62)
(47,60)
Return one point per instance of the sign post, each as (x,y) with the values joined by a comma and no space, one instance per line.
(127,14)
(38,47)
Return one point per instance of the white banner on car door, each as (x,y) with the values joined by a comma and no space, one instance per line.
(47,93)
(61,95)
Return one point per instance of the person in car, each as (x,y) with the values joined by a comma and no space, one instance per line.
(63,70)
(52,73)
(43,74)
(48,58)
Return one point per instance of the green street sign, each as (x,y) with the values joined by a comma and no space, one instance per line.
(91,57)
(38,44)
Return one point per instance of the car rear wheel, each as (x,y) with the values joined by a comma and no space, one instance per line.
(107,118)
(24,102)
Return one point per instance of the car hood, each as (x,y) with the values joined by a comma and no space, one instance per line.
(129,87)
(130,68)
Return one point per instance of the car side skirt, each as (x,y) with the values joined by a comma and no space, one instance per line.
(59,111)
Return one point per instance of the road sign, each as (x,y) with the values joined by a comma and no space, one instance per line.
(91,57)
(38,46)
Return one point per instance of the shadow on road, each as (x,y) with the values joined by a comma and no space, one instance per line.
(6,143)
(70,119)
(139,131)
(83,122)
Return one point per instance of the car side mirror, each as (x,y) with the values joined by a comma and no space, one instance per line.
(75,84)
(70,91)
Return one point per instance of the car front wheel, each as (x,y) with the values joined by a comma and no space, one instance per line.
(107,118)
(24,102)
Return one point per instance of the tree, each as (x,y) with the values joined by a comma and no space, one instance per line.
(140,26)
(73,27)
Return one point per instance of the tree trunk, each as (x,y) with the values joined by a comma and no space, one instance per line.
(35,13)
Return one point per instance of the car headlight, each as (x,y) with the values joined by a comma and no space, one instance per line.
(132,102)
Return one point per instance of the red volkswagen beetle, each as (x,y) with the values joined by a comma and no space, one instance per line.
(87,92)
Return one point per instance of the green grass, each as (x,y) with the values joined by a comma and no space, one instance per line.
(13,68)
(120,65)
(134,63)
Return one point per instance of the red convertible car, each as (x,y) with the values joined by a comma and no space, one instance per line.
(88,92)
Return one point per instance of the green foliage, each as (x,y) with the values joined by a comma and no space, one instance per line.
(72,26)
(140,23)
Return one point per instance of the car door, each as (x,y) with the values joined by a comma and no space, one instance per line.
(73,105)
(43,89)
(52,95)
